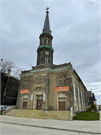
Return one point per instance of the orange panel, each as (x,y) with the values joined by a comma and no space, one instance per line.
(24,91)
(57,89)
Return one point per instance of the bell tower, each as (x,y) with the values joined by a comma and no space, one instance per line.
(45,50)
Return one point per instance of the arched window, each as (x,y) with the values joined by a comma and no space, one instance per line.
(50,42)
(84,99)
(41,59)
(46,60)
(42,40)
(24,101)
(81,97)
(74,92)
(78,95)
(46,40)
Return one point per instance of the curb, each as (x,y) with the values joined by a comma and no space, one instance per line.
(51,128)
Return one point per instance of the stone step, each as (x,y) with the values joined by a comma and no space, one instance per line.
(61,115)
(14,111)
(31,114)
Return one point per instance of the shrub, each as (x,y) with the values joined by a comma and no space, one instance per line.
(92,107)
(89,110)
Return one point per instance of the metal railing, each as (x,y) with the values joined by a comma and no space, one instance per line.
(44,113)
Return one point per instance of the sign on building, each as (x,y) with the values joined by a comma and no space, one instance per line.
(24,91)
(57,89)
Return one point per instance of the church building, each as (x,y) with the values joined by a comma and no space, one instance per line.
(48,86)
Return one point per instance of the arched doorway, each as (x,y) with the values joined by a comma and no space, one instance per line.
(24,102)
(38,98)
(39,102)
(61,101)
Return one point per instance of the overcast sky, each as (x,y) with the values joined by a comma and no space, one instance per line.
(76,31)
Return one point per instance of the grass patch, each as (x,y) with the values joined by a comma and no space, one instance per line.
(87,116)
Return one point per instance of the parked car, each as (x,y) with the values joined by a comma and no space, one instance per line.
(5,107)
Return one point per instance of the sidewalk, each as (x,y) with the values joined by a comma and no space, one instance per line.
(93,127)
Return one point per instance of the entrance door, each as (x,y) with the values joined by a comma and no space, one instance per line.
(39,104)
(61,105)
(24,106)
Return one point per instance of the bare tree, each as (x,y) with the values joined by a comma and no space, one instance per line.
(5,65)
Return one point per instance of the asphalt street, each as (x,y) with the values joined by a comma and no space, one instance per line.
(10,125)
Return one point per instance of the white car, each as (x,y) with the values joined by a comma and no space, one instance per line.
(5,107)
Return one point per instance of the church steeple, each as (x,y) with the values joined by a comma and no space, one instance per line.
(45,50)
(46,27)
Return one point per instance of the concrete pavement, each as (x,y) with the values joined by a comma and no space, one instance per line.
(91,127)
(11,129)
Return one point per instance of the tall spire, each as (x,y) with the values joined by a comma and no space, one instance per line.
(46,27)
(45,49)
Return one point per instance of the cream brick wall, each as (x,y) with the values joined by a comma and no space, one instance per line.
(43,83)
(78,84)
(53,100)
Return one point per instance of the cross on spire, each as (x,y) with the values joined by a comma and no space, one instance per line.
(47,8)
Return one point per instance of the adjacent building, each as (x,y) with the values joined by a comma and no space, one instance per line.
(91,98)
(48,86)
(99,107)
(9,89)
